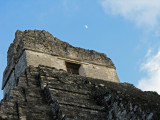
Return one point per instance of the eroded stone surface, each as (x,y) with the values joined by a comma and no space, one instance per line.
(44,42)
(35,47)
(45,93)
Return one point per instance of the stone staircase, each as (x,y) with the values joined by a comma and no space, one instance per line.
(71,95)
(44,93)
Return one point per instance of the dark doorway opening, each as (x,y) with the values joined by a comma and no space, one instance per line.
(73,68)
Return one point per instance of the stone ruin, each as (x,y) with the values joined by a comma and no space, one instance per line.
(48,79)
(41,48)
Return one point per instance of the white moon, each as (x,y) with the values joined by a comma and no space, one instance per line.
(86,26)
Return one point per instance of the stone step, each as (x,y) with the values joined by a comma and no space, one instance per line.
(78,113)
(73,98)
(67,87)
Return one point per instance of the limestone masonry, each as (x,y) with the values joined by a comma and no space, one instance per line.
(47,79)
(41,48)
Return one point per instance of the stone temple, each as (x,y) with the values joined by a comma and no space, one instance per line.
(48,79)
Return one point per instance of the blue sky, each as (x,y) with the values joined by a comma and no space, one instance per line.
(128,31)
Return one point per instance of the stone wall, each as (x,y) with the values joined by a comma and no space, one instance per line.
(100,72)
(40,47)
(37,58)
(13,72)
(86,69)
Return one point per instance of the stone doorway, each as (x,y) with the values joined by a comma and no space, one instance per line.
(72,68)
